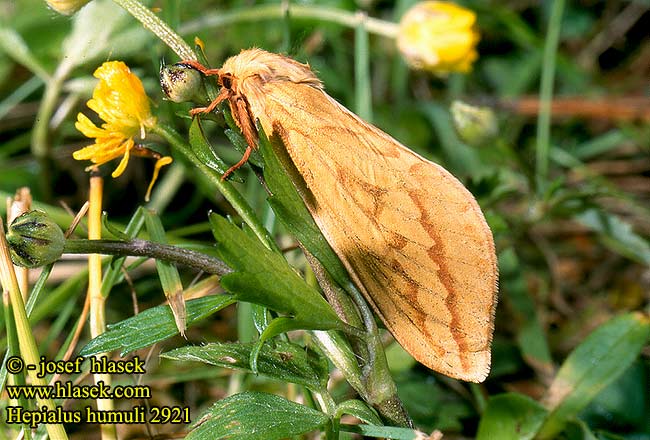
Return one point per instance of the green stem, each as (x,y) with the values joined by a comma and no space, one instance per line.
(239,204)
(307,12)
(363,98)
(546,94)
(41,130)
(328,406)
(144,248)
(151,21)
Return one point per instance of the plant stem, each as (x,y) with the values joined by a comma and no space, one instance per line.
(151,21)
(144,248)
(306,12)
(363,94)
(546,95)
(97,299)
(40,132)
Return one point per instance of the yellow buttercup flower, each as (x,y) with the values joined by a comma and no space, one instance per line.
(438,36)
(66,7)
(120,101)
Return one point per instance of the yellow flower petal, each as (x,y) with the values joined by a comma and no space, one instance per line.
(120,101)
(166,160)
(439,37)
(87,127)
(128,144)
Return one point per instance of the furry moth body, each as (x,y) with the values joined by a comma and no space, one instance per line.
(411,236)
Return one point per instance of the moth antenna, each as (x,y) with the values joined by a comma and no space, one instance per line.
(201,68)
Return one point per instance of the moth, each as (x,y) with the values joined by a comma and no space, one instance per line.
(411,236)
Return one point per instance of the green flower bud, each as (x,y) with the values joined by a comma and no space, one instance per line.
(182,83)
(35,240)
(475,125)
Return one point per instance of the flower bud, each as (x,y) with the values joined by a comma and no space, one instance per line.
(66,7)
(439,37)
(182,83)
(35,240)
(475,125)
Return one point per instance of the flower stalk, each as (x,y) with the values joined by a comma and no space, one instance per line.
(151,21)
(279,11)
(97,300)
(144,248)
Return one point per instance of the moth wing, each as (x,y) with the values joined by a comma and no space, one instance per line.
(410,234)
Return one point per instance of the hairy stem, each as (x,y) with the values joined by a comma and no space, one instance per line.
(144,248)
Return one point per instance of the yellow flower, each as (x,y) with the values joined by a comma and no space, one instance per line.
(120,101)
(66,7)
(439,37)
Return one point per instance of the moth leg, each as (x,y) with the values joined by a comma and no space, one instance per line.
(223,95)
(241,162)
(201,68)
(239,109)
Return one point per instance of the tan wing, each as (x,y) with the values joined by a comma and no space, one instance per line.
(410,234)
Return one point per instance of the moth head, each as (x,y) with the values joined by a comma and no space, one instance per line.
(226,80)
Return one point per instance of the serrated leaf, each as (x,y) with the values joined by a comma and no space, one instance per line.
(281,360)
(598,361)
(616,234)
(264,277)
(152,325)
(256,416)
(511,416)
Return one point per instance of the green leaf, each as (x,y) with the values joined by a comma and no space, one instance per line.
(388,432)
(511,416)
(358,409)
(170,279)
(616,234)
(292,212)
(152,325)
(579,430)
(256,416)
(600,144)
(281,360)
(598,361)
(620,404)
(14,45)
(264,277)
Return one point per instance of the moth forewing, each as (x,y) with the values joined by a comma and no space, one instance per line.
(410,234)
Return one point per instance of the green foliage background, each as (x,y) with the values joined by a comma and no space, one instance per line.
(570,355)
